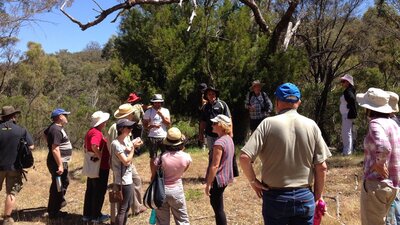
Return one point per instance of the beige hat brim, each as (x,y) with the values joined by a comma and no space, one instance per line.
(117,114)
(363,102)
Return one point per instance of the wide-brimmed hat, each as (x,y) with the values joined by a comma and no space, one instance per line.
(349,78)
(254,83)
(375,99)
(393,101)
(210,88)
(59,111)
(124,110)
(157,98)
(132,98)
(221,118)
(174,137)
(98,118)
(288,92)
(8,110)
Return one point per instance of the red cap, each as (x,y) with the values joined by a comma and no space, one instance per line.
(133,98)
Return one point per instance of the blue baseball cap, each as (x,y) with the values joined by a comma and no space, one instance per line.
(58,112)
(288,92)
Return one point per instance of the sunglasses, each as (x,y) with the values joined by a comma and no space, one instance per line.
(342,81)
(215,123)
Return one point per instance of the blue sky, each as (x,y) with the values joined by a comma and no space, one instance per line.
(54,31)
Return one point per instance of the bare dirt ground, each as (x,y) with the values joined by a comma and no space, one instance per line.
(241,204)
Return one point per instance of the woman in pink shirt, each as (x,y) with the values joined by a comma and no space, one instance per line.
(174,162)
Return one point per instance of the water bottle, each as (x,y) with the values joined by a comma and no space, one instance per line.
(152,219)
(58,182)
(319,212)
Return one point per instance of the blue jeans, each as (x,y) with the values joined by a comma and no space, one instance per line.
(288,207)
(393,217)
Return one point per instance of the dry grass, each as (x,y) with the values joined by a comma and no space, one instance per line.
(241,204)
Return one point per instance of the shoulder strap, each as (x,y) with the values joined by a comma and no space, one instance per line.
(251,93)
(222,105)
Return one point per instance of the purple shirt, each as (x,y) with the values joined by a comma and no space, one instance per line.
(224,174)
(382,146)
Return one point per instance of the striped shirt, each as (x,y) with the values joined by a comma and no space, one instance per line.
(382,146)
(224,174)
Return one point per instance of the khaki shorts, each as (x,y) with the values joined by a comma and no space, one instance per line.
(13,181)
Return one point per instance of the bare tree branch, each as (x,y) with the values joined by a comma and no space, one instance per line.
(257,15)
(119,7)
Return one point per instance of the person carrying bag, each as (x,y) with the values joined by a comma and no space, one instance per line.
(121,161)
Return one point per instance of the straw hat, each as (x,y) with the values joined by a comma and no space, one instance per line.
(124,110)
(98,118)
(174,137)
(375,99)
(393,101)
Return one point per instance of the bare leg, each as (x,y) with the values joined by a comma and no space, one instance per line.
(9,204)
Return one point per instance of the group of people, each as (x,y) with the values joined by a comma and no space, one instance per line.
(290,146)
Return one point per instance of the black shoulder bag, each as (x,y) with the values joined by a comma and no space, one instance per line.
(154,196)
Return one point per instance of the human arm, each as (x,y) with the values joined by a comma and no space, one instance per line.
(202,127)
(164,116)
(268,103)
(319,179)
(96,149)
(127,159)
(212,170)
(248,170)
(55,151)
(382,148)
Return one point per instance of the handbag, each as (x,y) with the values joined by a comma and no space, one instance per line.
(154,196)
(91,165)
(116,196)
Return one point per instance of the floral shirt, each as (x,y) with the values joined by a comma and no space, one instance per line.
(382,146)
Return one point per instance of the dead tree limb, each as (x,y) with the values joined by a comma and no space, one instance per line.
(119,7)
(257,15)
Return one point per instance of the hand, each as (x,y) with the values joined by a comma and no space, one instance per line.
(207,190)
(137,144)
(60,169)
(381,169)
(258,187)
(159,113)
(252,108)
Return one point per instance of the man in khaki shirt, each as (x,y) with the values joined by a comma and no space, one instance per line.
(293,154)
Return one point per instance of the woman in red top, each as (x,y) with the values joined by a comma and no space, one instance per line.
(96,187)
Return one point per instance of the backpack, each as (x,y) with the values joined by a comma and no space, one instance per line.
(24,156)
(263,95)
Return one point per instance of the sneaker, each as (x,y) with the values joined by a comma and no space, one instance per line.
(8,221)
(101,219)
